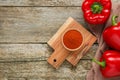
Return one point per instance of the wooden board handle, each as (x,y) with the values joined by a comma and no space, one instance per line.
(58,57)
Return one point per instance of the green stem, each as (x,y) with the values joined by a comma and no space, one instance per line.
(96,7)
(102,64)
(114,22)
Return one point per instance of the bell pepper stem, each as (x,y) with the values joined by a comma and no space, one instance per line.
(114,22)
(102,64)
(96,7)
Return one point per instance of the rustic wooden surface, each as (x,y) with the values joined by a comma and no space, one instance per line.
(25,28)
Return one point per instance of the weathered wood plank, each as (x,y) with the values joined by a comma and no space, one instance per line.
(34,24)
(43,71)
(43,2)
(31,52)
(2,75)
(16,78)
(40,2)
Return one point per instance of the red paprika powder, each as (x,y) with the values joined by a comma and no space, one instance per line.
(72,39)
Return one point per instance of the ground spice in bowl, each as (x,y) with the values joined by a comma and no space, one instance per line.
(72,39)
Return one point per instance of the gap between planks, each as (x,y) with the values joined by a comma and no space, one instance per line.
(23,42)
(40,6)
(29,43)
(30,60)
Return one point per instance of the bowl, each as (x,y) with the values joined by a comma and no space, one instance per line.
(72,39)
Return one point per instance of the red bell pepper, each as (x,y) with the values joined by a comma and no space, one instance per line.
(111,35)
(96,11)
(109,63)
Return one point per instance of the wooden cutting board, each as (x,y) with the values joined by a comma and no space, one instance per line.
(60,53)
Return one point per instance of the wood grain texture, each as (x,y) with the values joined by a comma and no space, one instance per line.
(40,2)
(16,78)
(43,71)
(44,2)
(31,52)
(34,24)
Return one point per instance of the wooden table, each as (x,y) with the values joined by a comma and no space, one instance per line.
(25,28)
